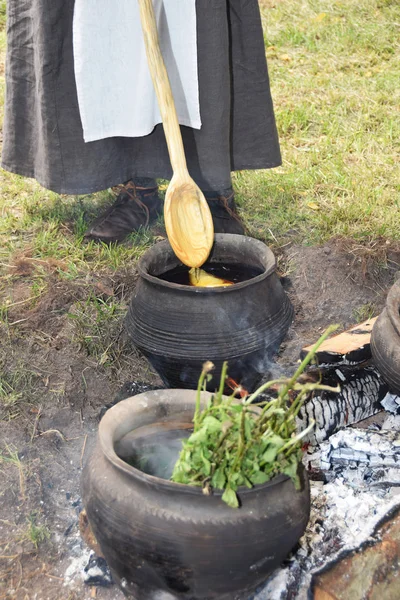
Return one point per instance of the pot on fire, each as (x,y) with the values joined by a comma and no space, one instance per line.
(385,340)
(178,327)
(170,541)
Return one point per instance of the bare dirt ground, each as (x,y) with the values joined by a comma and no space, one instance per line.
(49,424)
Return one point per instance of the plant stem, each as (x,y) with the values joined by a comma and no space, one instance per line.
(222,381)
(298,402)
(306,361)
(207,367)
(262,389)
(298,437)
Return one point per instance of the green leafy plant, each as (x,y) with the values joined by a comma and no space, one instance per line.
(244,443)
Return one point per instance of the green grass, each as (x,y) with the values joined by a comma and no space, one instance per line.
(36,533)
(97,329)
(334,69)
(365,312)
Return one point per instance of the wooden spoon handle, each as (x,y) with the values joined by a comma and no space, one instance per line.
(162,87)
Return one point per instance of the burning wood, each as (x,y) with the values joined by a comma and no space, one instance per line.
(350,347)
(346,360)
(362,391)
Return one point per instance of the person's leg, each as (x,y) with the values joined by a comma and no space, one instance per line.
(223,210)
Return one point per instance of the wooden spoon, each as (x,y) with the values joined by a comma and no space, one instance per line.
(188,219)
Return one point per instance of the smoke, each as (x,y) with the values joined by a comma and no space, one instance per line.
(153,449)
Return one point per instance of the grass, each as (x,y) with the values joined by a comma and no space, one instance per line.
(334,68)
(365,312)
(97,329)
(17,388)
(36,533)
(10,456)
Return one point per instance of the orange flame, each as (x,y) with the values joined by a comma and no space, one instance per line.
(236,387)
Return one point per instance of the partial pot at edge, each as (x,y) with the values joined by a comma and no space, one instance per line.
(170,541)
(385,340)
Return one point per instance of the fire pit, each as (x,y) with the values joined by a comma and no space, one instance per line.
(178,327)
(354,475)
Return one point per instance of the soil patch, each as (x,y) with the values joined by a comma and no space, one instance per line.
(340,282)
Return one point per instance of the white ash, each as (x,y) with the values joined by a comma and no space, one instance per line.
(364,458)
(391,403)
(392,422)
(344,514)
(75,571)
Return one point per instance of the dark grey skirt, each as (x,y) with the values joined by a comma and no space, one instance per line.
(43,135)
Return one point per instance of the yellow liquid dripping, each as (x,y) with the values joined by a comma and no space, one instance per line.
(200,278)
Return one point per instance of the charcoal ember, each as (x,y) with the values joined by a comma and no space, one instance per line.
(129,389)
(97,572)
(361,391)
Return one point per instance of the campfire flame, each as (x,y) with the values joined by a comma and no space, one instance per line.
(236,388)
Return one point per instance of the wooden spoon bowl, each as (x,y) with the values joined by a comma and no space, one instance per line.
(188,221)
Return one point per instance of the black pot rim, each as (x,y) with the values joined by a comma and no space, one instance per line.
(107,441)
(165,246)
(393,306)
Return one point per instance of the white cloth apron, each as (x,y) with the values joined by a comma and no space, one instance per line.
(115,93)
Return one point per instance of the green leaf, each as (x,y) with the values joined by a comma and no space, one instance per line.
(259,478)
(199,436)
(248,482)
(275,443)
(290,469)
(211,424)
(207,464)
(234,478)
(218,480)
(230,497)
(276,440)
(270,454)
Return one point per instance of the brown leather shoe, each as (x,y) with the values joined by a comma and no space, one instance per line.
(135,207)
(223,211)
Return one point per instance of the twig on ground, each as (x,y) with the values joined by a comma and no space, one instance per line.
(83,450)
(54,431)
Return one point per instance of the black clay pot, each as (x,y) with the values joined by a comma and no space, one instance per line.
(168,541)
(385,340)
(178,327)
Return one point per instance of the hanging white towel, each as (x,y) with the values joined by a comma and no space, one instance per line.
(115,92)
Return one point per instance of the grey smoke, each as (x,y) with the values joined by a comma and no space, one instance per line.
(155,452)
